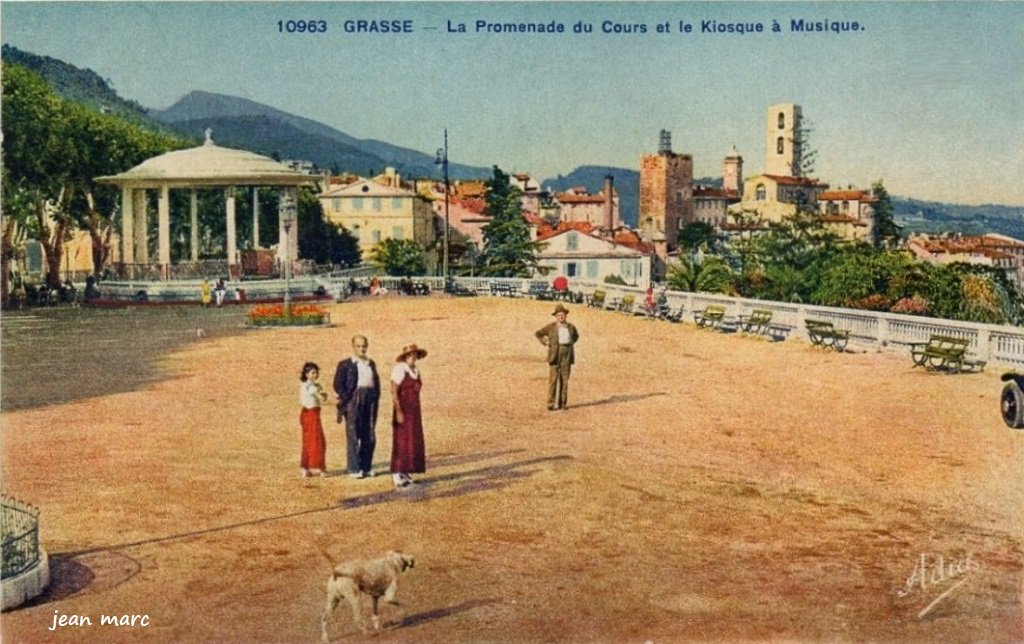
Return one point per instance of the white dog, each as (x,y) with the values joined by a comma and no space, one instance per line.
(374,577)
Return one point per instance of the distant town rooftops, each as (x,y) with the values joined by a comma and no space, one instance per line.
(846,195)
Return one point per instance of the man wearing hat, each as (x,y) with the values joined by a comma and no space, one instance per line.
(559,337)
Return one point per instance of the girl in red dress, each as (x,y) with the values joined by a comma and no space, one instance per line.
(314,445)
(408,454)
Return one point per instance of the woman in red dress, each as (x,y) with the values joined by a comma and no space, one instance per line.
(314,445)
(408,455)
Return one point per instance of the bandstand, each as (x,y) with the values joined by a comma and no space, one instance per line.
(205,167)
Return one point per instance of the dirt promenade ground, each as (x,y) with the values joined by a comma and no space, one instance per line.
(702,486)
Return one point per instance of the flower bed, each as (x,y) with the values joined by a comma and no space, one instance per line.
(298,315)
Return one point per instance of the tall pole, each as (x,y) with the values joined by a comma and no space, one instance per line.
(287,213)
(442,159)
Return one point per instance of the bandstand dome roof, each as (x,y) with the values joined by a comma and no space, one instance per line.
(209,165)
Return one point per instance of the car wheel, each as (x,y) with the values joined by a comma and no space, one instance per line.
(1012,405)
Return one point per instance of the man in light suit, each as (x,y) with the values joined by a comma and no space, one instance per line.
(559,337)
(358,387)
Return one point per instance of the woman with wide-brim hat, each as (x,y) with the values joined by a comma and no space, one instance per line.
(408,453)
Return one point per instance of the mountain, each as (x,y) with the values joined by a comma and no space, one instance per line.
(81,86)
(934,217)
(240,122)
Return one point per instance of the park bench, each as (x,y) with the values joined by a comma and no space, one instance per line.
(540,291)
(944,352)
(458,290)
(757,322)
(596,300)
(710,317)
(666,313)
(504,290)
(627,304)
(824,334)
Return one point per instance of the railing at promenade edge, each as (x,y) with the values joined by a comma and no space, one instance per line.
(19,527)
(998,344)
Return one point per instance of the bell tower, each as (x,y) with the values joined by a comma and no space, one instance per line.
(732,171)
(782,140)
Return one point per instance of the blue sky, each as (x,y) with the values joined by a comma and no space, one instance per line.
(928,97)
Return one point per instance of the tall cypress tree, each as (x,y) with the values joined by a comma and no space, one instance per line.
(508,250)
(885,232)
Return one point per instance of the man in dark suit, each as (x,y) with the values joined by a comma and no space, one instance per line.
(559,337)
(358,387)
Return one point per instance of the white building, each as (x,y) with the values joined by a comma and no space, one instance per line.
(582,255)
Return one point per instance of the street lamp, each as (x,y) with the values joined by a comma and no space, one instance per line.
(286,209)
(442,160)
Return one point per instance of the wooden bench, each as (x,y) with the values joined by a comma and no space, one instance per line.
(710,317)
(505,290)
(596,300)
(627,304)
(458,290)
(757,322)
(824,334)
(944,352)
(540,291)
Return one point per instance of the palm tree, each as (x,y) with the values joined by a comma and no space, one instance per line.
(712,275)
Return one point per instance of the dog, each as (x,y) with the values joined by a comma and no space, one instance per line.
(374,577)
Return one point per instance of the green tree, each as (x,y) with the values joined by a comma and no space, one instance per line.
(712,275)
(696,235)
(884,233)
(319,239)
(508,250)
(400,257)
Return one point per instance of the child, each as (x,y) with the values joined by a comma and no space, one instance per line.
(314,446)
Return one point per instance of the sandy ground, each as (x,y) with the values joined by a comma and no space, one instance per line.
(702,486)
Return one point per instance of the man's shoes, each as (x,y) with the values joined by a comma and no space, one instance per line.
(552,408)
(366,475)
(357,475)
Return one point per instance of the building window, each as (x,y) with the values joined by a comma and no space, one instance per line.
(833,209)
(845,208)
(780,145)
(570,269)
(759,194)
(572,241)
(336,204)
(376,204)
(592,268)
(375,236)
(357,203)
(396,203)
(398,232)
(782,120)
(626,269)
(355,231)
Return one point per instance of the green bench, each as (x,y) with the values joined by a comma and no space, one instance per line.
(710,317)
(627,304)
(757,322)
(944,352)
(596,300)
(824,334)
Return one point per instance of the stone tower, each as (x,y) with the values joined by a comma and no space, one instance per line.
(666,195)
(732,171)
(782,140)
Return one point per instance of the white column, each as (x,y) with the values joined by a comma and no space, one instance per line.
(164,230)
(194,212)
(127,226)
(232,242)
(255,217)
(288,241)
(141,226)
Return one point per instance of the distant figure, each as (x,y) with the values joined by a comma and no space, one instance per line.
(91,292)
(650,306)
(408,454)
(374,285)
(314,445)
(205,292)
(559,337)
(560,284)
(220,291)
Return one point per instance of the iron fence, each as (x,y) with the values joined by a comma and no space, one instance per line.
(19,527)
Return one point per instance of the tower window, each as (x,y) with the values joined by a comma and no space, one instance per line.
(780,145)
(760,194)
(782,121)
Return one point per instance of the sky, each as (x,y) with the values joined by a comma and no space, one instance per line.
(927,96)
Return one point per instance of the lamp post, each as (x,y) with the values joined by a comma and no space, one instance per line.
(442,160)
(286,209)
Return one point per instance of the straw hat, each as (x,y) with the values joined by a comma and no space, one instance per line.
(560,309)
(411,348)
